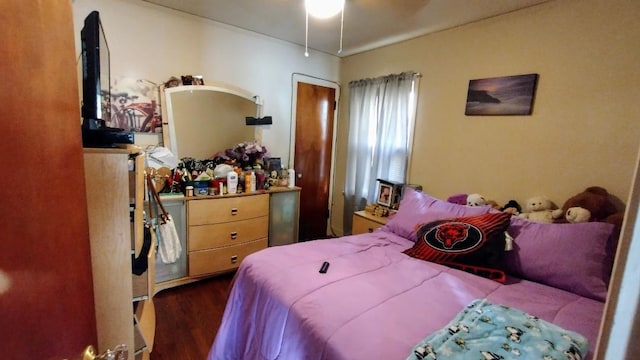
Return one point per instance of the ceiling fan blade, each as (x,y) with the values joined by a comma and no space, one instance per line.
(396,7)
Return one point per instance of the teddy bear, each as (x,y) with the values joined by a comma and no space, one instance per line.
(481,200)
(593,204)
(494,205)
(539,209)
(512,207)
(476,200)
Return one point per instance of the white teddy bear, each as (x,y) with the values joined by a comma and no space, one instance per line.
(539,209)
(476,200)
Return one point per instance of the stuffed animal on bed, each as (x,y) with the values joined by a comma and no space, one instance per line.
(593,204)
(539,209)
(476,200)
(511,207)
(493,204)
(480,200)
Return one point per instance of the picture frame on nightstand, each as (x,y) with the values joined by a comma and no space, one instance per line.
(385,192)
(389,193)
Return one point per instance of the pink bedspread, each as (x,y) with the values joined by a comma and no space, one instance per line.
(374,302)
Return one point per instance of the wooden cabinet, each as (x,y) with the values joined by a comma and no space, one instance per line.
(221,231)
(124,308)
(364,222)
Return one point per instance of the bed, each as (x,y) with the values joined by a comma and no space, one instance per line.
(377,302)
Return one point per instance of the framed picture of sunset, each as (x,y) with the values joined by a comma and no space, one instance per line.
(506,95)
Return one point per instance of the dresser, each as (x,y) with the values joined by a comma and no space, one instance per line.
(224,230)
(218,232)
(365,222)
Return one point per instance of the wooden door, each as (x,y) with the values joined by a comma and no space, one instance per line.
(46,291)
(315,107)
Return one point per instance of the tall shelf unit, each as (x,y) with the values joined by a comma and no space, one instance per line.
(124,302)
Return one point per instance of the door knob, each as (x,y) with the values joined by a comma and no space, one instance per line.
(120,352)
(89,353)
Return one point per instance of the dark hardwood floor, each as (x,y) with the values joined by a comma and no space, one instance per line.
(188,317)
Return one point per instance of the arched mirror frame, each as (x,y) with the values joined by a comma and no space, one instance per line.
(168,126)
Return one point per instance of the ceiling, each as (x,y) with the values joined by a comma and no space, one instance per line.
(368,24)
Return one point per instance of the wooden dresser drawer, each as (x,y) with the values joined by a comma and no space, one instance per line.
(365,223)
(222,259)
(230,233)
(211,211)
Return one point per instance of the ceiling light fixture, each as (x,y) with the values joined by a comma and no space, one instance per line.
(322,9)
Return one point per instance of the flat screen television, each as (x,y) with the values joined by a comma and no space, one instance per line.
(96,88)
(95,73)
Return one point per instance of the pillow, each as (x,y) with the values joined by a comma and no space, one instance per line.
(573,257)
(418,208)
(474,244)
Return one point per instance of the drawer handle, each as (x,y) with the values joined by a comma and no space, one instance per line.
(234,235)
(234,259)
(234,211)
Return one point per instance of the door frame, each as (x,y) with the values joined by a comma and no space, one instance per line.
(303,78)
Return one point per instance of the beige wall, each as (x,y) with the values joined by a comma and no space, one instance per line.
(584,128)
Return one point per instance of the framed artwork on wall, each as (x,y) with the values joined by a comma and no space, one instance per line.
(135,105)
(506,95)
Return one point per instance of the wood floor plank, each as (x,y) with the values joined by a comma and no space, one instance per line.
(188,318)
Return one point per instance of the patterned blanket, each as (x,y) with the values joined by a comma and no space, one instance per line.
(486,331)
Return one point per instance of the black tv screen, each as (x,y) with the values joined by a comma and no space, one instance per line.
(96,106)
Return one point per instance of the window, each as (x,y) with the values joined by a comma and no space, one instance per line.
(381,121)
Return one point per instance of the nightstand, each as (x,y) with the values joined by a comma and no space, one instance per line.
(364,222)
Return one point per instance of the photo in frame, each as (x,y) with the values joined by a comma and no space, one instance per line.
(271,164)
(389,193)
(385,194)
(506,95)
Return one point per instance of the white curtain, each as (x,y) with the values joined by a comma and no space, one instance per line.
(381,120)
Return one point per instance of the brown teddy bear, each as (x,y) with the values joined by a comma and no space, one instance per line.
(593,204)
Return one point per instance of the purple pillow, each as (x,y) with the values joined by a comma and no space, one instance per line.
(417,208)
(573,257)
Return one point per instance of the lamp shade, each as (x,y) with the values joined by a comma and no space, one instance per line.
(323,8)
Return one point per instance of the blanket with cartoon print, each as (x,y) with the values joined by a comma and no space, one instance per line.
(487,331)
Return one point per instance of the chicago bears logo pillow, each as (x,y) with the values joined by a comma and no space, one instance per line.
(453,237)
(473,244)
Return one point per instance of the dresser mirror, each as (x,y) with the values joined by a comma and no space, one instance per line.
(205,119)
